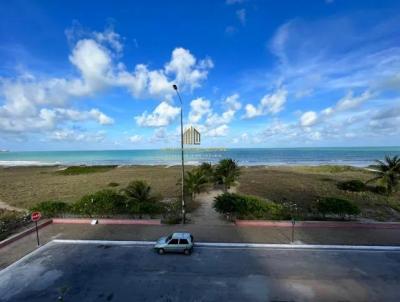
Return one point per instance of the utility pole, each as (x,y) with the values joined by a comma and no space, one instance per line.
(182,156)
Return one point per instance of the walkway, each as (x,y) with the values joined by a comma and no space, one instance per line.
(205,214)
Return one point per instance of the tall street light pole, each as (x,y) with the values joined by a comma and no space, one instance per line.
(182,155)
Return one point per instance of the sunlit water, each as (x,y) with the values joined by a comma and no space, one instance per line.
(248,156)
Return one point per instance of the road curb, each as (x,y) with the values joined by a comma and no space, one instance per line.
(24,233)
(241,245)
(317,224)
(107,221)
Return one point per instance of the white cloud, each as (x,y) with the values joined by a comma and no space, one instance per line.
(75,115)
(350,102)
(269,104)
(273,103)
(232,102)
(135,138)
(163,115)
(29,103)
(347,103)
(101,117)
(199,108)
(218,131)
(251,111)
(110,37)
(211,123)
(187,71)
(94,62)
(241,15)
(308,119)
(73,135)
(232,106)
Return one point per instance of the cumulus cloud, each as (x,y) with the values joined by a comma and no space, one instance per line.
(209,122)
(77,136)
(135,138)
(232,105)
(308,119)
(218,131)
(42,102)
(198,108)
(187,71)
(163,115)
(269,104)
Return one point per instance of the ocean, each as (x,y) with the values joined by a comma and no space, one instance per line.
(355,156)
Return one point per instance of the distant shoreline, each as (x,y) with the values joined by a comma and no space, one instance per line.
(255,165)
(356,156)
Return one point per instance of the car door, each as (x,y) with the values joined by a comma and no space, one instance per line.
(183,244)
(173,245)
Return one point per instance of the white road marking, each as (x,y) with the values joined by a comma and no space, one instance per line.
(244,245)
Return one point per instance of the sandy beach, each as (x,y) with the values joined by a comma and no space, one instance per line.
(24,187)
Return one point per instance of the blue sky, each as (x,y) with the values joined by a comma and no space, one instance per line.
(97,75)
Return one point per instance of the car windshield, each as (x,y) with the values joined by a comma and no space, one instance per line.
(168,238)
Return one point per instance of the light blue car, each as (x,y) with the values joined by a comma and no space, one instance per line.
(176,242)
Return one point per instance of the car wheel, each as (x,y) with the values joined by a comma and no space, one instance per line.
(161,251)
(187,252)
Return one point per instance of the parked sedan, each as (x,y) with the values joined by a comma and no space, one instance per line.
(176,242)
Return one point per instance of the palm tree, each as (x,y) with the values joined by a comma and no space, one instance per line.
(387,173)
(139,191)
(227,173)
(195,182)
(207,170)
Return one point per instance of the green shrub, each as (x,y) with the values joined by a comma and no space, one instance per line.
(141,200)
(352,185)
(207,170)
(226,173)
(245,206)
(52,208)
(225,203)
(77,170)
(379,190)
(172,213)
(337,206)
(104,202)
(113,184)
(10,221)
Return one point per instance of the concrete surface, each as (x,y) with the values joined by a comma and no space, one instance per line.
(101,272)
(228,233)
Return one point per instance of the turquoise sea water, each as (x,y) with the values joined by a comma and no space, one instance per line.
(249,156)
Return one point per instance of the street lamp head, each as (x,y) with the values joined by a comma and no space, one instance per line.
(175,87)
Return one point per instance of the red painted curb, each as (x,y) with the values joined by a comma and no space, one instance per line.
(23,234)
(107,221)
(317,224)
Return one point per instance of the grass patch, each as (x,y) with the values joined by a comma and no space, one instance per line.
(304,185)
(77,170)
(328,169)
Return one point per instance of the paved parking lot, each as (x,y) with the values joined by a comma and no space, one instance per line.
(107,272)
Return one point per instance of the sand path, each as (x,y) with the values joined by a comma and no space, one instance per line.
(205,214)
(6,206)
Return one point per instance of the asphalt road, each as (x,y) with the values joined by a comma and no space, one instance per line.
(97,272)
